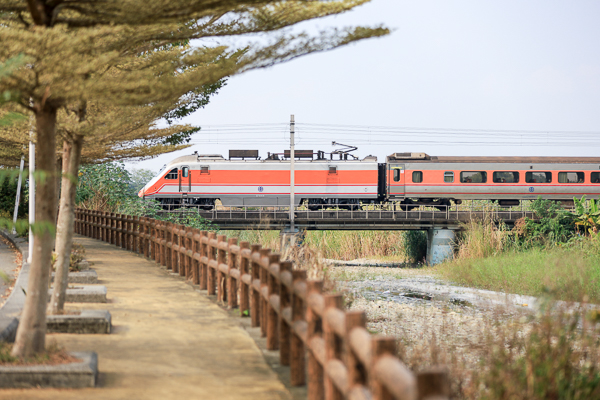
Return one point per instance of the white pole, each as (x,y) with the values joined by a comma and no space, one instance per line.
(31,191)
(292,158)
(18,198)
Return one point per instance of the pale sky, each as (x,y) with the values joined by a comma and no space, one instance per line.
(451,77)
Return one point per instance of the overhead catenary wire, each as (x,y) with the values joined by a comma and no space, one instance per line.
(323,134)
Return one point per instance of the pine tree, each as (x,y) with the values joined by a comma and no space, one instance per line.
(104,52)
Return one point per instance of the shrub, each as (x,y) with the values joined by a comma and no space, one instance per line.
(415,245)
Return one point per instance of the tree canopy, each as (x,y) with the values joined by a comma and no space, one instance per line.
(78,56)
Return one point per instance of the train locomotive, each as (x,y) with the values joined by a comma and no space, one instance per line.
(339,179)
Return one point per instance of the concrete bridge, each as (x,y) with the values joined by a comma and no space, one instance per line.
(439,224)
(278,218)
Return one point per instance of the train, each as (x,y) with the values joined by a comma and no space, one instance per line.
(340,179)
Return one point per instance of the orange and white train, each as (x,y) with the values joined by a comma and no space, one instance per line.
(408,178)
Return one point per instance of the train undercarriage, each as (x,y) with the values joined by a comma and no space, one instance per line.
(315,204)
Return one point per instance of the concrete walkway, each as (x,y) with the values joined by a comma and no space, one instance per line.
(7,266)
(168,341)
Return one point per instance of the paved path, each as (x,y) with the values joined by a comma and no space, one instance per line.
(168,342)
(7,266)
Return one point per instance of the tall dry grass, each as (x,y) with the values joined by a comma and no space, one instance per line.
(351,245)
(482,238)
(316,246)
(339,245)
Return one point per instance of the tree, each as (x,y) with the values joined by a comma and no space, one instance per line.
(80,51)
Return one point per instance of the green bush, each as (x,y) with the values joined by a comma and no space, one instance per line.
(110,187)
(553,225)
(8,194)
(415,245)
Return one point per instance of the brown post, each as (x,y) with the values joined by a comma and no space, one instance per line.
(120,237)
(166,228)
(175,253)
(221,254)
(155,252)
(116,230)
(433,383)
(89,223)
(189,245)
(263,302)
(105,230)
(195,253)
(101,225)
(297,354)
(144,236)
(113,217)
(135,234)
(334,346)
(108,232)
(115,226)
(232,284)
(244,289)
(357,373)
(272,316)
(162,235)
(316,387)
(284,303)
(126,232)
(183,246)
(203,267)
(94,224)
(211,272)
(381,346)
(255,303)
(123,231)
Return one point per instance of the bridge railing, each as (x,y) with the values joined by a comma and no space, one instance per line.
(327,348)
(371,212)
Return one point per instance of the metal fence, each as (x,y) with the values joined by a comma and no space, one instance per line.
(326,347)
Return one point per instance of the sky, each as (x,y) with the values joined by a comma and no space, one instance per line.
(462,77)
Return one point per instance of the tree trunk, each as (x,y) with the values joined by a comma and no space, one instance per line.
(66,218)
(31,333)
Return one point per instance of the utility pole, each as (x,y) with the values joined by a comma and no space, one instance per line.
(292,158)
(18,198)
(31,190)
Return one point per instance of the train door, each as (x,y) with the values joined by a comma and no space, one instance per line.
(185,180)
(396,180)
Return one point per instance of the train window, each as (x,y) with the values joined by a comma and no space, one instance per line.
(204,170)
(506,177)
(595,177)
(185,172)
(172,174)
(448,176)
(570,177)
(538,177)
(473,177)
(417,176)
(333,170)
(396,175)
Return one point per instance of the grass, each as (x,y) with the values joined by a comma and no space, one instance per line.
(53,355)
(488,258)
(339,245)
(568,273)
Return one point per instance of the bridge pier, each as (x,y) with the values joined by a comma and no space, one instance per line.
(440,245)
(290,239)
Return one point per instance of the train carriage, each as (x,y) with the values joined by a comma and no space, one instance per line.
(203,179)
(406,178)
(416,178)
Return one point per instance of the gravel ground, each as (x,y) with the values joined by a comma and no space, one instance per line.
(430,318)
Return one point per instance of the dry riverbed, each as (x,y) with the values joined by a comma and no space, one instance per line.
(435,322)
